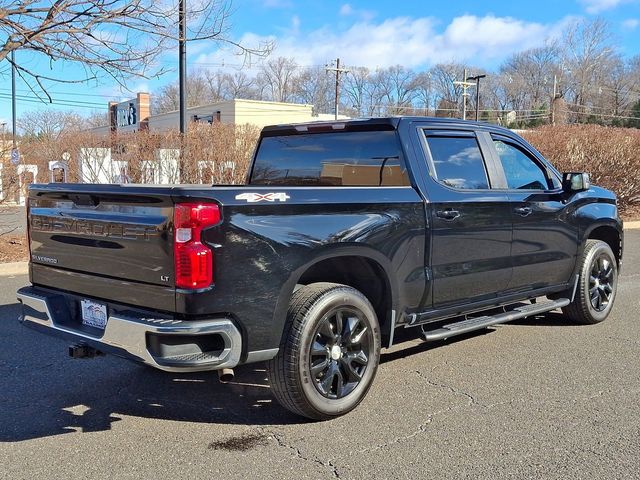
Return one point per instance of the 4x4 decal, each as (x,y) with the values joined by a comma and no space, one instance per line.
(259,197)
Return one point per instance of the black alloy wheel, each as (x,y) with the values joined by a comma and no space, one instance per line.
(597,284)
(339,354)
(329,352)
(601,283)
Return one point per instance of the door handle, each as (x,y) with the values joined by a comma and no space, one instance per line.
(448,214)
(523,211)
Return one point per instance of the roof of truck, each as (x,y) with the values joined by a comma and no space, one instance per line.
(383,123)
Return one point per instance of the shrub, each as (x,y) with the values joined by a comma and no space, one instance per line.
(610,155)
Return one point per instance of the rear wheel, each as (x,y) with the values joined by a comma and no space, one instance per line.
(329,352)
(597,285)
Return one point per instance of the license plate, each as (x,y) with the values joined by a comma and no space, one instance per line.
(94,314)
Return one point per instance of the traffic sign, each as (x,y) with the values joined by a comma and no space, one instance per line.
(15,156)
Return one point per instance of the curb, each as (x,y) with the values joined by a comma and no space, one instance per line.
(14,268)
(631,225)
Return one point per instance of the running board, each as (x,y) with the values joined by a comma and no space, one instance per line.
(478,323)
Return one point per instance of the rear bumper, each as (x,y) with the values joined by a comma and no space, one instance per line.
(168,344)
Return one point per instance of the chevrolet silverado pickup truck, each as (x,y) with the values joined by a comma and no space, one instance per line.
(344,232)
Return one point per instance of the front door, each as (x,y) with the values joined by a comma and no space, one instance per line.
(544,238)
(470,224)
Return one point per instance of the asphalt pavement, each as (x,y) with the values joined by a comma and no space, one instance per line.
(13,219)
(538,398)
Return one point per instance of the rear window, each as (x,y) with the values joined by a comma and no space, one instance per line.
(458,162)
(369,158)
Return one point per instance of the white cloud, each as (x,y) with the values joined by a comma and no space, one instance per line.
(597,6)
(295,23)
(411,42)
(630,23)
(277,3)
(346,9)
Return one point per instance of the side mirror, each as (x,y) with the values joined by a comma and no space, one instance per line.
(575,182)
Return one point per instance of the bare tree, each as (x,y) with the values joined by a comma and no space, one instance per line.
(533,71)
(400,80)
(50,124)
(355,88)
(422,86)
(446,92)
(116,38)
(277,79)
(239,85)
(315,87)
(203,87)
(587,50)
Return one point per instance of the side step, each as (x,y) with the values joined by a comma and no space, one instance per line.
(478,323)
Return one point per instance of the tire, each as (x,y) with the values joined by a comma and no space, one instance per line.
(597,285)
(329,353)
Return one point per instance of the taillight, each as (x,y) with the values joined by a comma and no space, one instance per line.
(193,259)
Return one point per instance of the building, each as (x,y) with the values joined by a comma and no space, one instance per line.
(135,114)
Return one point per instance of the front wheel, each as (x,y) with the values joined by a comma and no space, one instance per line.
(329,352)
(597,285)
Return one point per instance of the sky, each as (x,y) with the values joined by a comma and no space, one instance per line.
(373,33)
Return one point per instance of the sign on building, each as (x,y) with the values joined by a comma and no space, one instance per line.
(130,115)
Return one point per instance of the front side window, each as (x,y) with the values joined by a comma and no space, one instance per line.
(522,172)
(458,162)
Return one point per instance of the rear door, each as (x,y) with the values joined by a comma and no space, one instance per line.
(470,223)
(544,238)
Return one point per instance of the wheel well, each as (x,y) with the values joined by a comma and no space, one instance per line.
(361,273)
(610,236)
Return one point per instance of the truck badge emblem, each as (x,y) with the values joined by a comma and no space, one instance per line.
(259,197)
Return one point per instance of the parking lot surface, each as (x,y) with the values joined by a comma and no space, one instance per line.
(537,398)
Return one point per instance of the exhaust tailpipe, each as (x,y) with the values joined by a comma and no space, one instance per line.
(226,375)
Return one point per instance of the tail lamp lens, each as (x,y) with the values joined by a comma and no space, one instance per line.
(193,259)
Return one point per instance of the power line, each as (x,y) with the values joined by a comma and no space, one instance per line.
(37,100)
(4,96)
(72,94)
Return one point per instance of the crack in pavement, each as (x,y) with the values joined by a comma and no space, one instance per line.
(279,438)
(455,391)
(422,428)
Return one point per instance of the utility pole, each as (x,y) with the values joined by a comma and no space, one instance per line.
(553,99)
(182,65)
(477,84)
(465,85)
(338,71)
(13,98)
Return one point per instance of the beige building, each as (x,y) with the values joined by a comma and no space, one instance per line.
(134,114)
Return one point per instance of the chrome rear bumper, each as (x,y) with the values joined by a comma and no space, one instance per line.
(130,335)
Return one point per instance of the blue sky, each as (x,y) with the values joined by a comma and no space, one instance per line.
(370,33)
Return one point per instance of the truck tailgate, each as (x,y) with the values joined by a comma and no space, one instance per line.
(113,235)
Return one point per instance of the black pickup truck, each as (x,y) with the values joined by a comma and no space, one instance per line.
(344,232)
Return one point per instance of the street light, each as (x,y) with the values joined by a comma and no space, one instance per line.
(477,80)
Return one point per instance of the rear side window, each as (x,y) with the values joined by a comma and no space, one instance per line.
(458,162)
(368,158)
